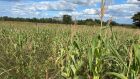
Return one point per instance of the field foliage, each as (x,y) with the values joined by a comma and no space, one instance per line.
(55,51)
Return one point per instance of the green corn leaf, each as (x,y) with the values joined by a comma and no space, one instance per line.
(75,43)
(137,52)
(73,69)
(90,59)
(121,76)
(64,75)
(115,52)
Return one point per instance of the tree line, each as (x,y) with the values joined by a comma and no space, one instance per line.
(39,20)
(66,19)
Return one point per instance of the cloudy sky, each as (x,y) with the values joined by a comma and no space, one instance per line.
(121,10)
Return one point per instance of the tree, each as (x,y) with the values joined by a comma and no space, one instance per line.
(67,19)
(89,22)
(112,23)
(136,19)
(97,21)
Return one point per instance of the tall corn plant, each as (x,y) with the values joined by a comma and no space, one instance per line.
(102,11)
(70,64)
(95,53)
(131,67)
(70,61)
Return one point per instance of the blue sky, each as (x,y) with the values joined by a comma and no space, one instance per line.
(120,10)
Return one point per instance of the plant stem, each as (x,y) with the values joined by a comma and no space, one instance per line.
(102,11)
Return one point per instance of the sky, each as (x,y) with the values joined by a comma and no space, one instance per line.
(120,10)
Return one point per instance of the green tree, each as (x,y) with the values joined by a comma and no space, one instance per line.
(89,22)
(136,19)
(67,19)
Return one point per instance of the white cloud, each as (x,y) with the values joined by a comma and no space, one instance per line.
(84,2)
(47,5)
(75,13)
(80,13)
(133,1)
(123,10)
(123,6)
(38,8)
(89,11)
(56,5)
(22,9)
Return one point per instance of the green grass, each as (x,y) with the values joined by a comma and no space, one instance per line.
(50,51)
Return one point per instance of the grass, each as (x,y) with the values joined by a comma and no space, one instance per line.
(30,51)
